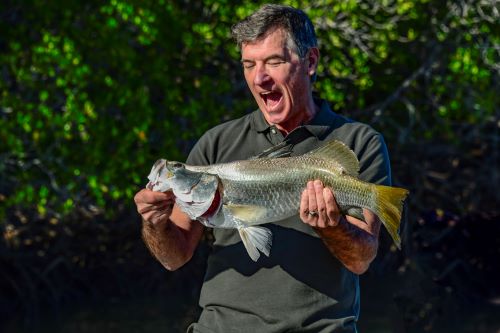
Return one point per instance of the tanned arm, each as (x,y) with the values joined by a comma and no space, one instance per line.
(355,247)
(169,234)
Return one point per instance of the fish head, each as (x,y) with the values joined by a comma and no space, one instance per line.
(195,191)
(172,175)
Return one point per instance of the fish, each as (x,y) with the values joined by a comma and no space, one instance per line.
(246,194)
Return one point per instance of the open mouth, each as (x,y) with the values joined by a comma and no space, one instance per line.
(271,99)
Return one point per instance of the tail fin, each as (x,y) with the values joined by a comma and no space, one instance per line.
(389,206)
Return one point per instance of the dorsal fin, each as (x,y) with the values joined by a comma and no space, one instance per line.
(283,149)
(339,152)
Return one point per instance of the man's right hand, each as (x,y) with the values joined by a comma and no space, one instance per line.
(154,207)
(171,237)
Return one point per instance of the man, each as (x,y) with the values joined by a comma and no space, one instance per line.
(308,283)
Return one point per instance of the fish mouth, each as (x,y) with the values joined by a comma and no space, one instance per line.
(272,99)
(159,172)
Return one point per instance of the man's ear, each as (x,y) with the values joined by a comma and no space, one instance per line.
(312,60)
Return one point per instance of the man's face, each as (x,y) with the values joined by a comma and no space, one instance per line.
(278,79)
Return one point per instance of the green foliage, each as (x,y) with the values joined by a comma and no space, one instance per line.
(92,93)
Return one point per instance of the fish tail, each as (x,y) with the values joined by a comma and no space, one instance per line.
(389,207)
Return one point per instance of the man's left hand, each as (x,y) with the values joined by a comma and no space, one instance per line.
(318,206)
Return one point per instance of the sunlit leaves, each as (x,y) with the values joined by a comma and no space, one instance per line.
(140,18)
(98,93)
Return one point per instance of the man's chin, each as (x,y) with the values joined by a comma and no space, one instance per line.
(275,117)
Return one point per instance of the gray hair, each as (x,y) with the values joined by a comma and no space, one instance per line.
(295,22)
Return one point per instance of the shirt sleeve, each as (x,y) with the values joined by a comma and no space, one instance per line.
(374,162)
(200,154)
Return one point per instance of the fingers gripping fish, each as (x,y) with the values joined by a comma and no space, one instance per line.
(246,194)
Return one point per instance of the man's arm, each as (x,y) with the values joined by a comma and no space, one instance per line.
(169,234)
(354,247)
(352,241)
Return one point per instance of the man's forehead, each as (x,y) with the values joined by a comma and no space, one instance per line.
(273,34)
(272,42)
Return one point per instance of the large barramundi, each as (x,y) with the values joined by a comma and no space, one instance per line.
(246,194)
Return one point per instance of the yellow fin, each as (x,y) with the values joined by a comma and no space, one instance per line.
(389,207)
(339,152)
(247,213)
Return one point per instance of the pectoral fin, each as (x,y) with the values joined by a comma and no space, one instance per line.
(256,239)
(248,214)
(356,212)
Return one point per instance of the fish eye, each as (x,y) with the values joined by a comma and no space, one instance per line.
(177,165)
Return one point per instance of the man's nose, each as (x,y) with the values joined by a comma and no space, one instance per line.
(261,75)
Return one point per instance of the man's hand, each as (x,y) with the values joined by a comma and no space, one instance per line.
(154,207)
(169,233)
(318,207)
(354,242)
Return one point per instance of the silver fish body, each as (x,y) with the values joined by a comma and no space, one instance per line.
(264,190)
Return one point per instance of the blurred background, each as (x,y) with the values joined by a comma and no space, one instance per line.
(92,93)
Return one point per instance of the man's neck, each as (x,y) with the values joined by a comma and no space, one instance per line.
(302,118)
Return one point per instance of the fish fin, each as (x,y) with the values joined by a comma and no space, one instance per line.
(256,239)
(339,152)
(389,207)
(283,149)
(356,212)
(247,213)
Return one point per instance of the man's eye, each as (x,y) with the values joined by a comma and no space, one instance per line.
(248,65)
(275,63)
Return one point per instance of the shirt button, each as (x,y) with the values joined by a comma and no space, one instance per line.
(273,130)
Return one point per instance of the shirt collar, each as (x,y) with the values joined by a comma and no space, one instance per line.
(259,123)
(322,121)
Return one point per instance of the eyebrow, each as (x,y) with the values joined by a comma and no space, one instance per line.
(272,56)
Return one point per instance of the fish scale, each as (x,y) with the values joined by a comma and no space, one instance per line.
(263,183)
(258,191)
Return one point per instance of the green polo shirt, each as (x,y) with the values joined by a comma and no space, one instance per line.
(300,287)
